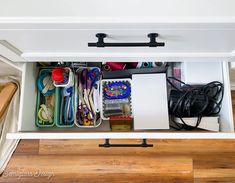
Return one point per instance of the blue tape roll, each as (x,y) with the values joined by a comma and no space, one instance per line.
(40,83)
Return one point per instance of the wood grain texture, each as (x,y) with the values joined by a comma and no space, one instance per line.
(168,161)
(6,94)
(29,147)
(83,161)
(100,168)
(175,147)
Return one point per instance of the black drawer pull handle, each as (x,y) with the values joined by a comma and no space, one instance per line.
(151,43)
(107,144)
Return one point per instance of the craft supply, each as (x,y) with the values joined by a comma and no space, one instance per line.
(7,91)
(114,66)
(113,110)
(63,77)
(106,67)
(116,98)
(87,110)
(131,65)
(121,123)
(45,84)
(160,64)
(86,84)
(96,97)
(145,65)
(45,99)
(66,108)
(118,66)
(117,90)
(117,109)
(123,101)
(46,110)
(45,113)
(59,75)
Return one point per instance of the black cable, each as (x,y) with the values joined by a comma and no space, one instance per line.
(194,101)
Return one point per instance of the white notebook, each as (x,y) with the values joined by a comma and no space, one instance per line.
(149,101)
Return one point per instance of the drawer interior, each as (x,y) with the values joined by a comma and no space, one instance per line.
(192,72)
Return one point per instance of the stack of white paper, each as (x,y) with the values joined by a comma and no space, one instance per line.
(210,123)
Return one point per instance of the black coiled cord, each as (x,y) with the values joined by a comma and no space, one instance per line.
(194,101)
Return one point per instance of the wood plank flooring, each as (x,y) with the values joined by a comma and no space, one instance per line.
(83,161)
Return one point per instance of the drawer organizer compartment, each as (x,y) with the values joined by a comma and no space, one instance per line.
(146,106)
(116,103)
(64,104)
(46,100)
(87,97)
(116,98)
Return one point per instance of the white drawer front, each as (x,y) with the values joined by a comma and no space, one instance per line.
(158,135)
(72,44)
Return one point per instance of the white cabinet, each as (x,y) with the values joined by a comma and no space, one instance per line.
(59,30)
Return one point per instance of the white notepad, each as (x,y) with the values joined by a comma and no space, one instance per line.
(210,123)
(149,101)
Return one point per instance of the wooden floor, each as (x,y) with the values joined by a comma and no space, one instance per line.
(83,161)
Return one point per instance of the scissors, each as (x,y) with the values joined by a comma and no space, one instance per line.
(67,114)
(88,83)
(85,114)
(94,76)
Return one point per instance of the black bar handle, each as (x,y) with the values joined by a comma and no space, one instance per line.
(143,144)
(151,43)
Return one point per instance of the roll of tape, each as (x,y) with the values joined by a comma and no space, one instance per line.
(45,114)
(45,84)
(145,65)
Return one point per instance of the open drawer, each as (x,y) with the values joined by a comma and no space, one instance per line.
(208,71)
